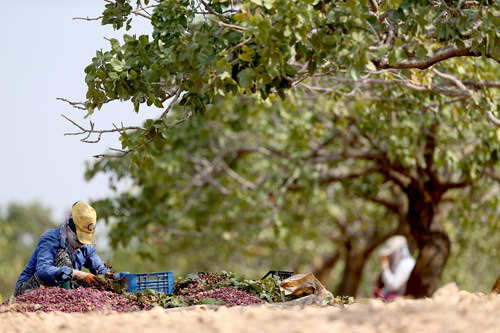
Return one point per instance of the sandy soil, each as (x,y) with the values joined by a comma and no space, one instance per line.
(449,310)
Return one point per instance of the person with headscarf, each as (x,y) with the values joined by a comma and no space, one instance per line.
(397,265)
(62,252)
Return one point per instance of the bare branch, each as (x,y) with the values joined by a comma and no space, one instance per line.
(232,26)
(88,18)
(78,105)
(482,84)
(137,12)
(222,190)
(244,182)
(99,133)
(403,83)
(492,118)
(379,42)
(186,117)
(211,11)
(393,206)
(81,105)
(122,153)
(167,110)
(461,184)
(390,21)
(453,79)
(373,6)
(439,55)
(204,176)
(239,45)
(336,178)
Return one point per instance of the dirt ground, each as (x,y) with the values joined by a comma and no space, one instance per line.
(449,310)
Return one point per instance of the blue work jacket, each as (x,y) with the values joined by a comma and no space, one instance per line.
(42,260)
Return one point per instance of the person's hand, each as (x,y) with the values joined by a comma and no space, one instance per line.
(384,262)
(88,278)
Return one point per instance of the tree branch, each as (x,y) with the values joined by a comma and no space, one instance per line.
(186,117)
(393,206)
(211,11)
(136,12)
(373,6)
(167,110)
(82,105)
(482,84)
(242,181)
(451,185)
(231,26)
(336,178)
(99,133)
(439,55)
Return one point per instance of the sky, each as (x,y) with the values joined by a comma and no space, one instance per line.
(43,54)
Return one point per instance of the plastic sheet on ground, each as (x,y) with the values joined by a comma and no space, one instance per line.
(300,284)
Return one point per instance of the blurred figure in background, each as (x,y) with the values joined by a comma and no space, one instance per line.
(396,264)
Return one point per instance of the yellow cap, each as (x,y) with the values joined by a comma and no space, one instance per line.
(85,219)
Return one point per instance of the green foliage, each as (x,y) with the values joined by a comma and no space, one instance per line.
(263,48)
(22,226)
(187,287)
(473,263)
(283,101)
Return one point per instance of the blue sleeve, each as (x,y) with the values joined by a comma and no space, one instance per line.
(93,262)
(47,248)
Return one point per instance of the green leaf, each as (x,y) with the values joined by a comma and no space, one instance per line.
(239,17)
(149,291)
(246,56)
(290,70)
(148,161)
(257,287)
(158,103)
(245,77)
(128,38)
(115,44)
(116,64)
(268,4)
(192,276)
(370,66)
(329,40)
(101,74)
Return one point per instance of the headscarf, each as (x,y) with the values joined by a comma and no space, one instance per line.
(398,255)
(396,247)
(69,240)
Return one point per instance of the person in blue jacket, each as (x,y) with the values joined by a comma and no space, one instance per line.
(62,252)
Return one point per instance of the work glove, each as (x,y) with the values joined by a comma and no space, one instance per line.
(88,278)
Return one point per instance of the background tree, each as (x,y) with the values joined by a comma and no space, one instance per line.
(22,226)
(311,184)
(401,73)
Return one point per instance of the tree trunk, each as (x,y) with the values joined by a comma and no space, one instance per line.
(322,273)
(434,252)
(426,228)
(353,271)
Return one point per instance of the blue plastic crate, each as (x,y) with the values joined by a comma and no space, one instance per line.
(162,282)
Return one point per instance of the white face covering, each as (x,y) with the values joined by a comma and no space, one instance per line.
(73,243)
(399,254)
(69,239)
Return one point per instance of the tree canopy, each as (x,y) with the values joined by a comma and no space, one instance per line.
(302,119)
(200,51)
(22,226)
